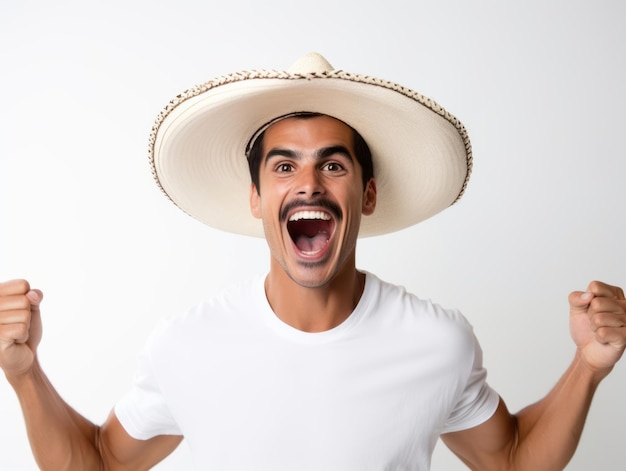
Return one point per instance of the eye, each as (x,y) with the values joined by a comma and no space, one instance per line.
(284,167)
(333,167)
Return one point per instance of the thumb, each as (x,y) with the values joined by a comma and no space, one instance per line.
(35,296)
(579,301)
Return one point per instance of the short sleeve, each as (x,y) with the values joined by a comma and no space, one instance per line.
(478,401)
(143,411)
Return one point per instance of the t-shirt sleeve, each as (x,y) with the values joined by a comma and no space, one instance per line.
(143,411)
(478,401)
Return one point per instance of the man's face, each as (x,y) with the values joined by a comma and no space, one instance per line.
(311,198)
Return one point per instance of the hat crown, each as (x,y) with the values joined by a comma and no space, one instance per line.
(421,153)
(312,62)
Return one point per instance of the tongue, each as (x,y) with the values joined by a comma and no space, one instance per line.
(311,244)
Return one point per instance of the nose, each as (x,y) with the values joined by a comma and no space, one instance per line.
(309,182)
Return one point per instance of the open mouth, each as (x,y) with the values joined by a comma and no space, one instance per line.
(310,231)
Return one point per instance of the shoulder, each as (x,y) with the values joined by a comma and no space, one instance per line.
(420,328)
(393,310)
(238,297)
(228,309)
(389,297)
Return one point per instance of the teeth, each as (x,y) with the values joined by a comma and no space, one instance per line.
(310,215)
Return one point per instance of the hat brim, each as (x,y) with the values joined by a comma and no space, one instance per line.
(421,153)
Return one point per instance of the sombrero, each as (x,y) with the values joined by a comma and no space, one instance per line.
(421,153)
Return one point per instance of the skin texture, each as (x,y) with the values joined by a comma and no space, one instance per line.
(310,164)
(544,435)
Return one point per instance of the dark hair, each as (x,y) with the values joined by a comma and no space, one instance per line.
(361,150)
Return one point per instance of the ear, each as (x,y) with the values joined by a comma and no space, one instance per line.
(369,198)
(255,201)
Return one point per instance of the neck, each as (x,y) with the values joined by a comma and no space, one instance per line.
(314,309)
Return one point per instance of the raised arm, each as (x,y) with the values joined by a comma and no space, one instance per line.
(61,439)
(544,435)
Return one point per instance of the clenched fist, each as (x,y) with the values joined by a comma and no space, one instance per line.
(598,324)
(20,326)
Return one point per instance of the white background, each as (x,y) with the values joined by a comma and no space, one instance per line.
(538,84)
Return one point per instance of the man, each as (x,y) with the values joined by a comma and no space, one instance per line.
(318,365)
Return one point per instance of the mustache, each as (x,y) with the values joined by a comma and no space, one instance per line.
(333,208)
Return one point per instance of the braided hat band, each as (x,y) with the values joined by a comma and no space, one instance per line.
(197,149)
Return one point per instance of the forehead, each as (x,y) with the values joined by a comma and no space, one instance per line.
(308,132)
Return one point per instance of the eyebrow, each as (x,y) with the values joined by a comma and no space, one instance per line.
(319,154)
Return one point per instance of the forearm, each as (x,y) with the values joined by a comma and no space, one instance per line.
(60,438)
(549,430)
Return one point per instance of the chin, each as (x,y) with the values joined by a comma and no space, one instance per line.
(310,281)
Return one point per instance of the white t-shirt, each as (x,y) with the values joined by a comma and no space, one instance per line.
(249,392)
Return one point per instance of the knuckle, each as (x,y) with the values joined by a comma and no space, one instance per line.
(597,304)
(604,289)
(22,286)
(18,286)
(598,321)
(16,332)
(595,285)
(15,303)
(22,332)
(602,334)
(22,302)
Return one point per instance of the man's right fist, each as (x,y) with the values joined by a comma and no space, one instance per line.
(20,326)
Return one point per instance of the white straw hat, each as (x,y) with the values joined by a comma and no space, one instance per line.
(421,153)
